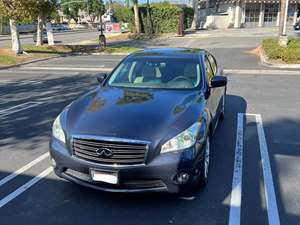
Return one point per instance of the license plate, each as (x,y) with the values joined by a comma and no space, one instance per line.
(104,176)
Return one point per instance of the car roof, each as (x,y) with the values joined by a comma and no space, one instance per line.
(190,53)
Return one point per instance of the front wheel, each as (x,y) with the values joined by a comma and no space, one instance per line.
(205,164)
(202,178)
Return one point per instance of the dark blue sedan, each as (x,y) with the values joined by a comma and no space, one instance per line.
(146,127)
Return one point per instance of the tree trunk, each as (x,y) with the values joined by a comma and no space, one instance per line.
(136,17)
(39,34)
(195,17)
(15,39)
(50,33)
(1,26)
(282,39)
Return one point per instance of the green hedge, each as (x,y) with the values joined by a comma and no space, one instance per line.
(164,17)
(188,16)
(274,51)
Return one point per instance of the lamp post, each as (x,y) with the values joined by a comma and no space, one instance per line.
(283,39)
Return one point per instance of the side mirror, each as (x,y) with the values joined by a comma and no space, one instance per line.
(218,81)
(101,78)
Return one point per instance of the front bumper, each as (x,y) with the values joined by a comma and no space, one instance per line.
(158,175)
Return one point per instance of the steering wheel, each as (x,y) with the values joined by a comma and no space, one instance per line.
(181,78)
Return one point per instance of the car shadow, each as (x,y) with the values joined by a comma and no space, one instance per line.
(72,204)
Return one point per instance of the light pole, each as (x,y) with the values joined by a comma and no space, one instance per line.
(283,39)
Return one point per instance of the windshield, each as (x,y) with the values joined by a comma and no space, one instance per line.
(166,73)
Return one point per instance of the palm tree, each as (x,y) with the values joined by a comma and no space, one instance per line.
(137,22)
(282,40)
(195,17)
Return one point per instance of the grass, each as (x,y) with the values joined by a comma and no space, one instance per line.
(7,60)
(290,54)
(7,57)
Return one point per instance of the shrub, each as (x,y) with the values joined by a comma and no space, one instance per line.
(123,14)
(163,17)
(274,51)
(188,16)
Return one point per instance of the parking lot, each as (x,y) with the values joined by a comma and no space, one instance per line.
(254,173)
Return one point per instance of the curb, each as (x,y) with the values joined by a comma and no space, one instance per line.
(266,62)
(100,53)
(28,62)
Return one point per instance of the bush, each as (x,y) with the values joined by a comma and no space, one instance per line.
(188,13)
(123,14)
(274,51)
(163,17)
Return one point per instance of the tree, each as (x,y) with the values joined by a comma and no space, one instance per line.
(282,39)
(195,18)
(15,10)
(95,8)
(42,10)
(137,22)
(71,8)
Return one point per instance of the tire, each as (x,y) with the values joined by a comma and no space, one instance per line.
(203,176)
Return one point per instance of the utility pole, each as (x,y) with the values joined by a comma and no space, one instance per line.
(283,39)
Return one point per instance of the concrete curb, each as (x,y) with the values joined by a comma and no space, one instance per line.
(266,62)
(28,62)
(100,53)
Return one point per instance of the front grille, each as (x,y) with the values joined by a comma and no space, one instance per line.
(123,153)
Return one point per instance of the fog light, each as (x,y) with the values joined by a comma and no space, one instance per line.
(53,163)
(183,178)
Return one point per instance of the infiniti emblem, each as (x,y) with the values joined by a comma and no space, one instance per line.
(104,152)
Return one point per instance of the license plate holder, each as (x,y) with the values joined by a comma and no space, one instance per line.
(110,177)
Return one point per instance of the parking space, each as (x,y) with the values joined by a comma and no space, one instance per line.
(254,168)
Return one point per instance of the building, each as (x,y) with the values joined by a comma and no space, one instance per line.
(244,13)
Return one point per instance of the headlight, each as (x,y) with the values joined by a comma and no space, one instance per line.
(185,139)
(57,131)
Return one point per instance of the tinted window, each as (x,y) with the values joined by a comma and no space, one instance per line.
(213,63)
(157,72)
(209,71)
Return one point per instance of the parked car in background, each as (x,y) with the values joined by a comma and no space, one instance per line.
(80,26)
(44,36)
(60,27)
(147,127)
(297,26)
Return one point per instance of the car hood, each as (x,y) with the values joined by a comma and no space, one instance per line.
(134,114)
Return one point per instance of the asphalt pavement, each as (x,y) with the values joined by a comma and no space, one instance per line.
(254,173)
(68,37)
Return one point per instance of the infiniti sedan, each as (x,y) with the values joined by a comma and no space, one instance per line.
(146,127)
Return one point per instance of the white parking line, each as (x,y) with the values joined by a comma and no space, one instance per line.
(236,193)
(24,187)
(18,108)
(272,208)
(24,168)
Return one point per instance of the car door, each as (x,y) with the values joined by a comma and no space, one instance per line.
(217,92)
(210,93)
